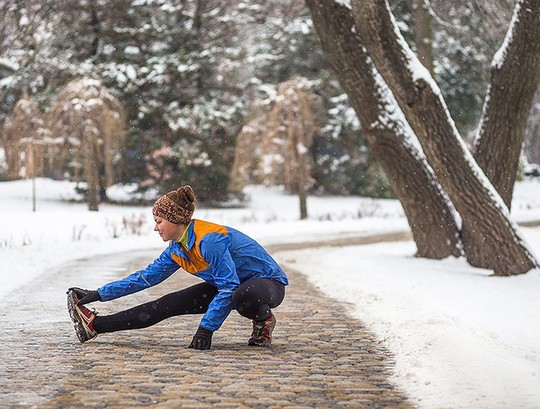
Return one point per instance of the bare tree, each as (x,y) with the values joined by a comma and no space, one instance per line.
(291,130)
(493,241)
(12,149)
(273,148)
(390,139)
(90,120)
(248,149)
(24,139)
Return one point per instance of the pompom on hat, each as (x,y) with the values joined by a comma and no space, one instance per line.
(176,206)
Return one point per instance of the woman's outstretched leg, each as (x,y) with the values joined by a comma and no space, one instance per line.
(191,300)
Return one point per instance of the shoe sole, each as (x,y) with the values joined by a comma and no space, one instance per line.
(255,343)
(76,318)
(71,303)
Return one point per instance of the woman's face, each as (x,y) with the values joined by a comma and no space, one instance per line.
(167,230)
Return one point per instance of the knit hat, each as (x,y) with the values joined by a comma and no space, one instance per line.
(176,206)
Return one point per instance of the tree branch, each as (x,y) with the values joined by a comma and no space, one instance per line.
(515,74)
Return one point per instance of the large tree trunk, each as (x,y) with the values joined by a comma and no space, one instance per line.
(390,139)
(494,239)
(515,73)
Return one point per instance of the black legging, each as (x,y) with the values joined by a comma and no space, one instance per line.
(253,299)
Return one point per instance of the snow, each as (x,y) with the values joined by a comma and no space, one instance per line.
(10,65)
(500,55)
(62,230)
(461,337)
(344,3)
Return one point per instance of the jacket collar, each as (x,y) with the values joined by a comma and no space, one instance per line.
(187,239)
(190,234)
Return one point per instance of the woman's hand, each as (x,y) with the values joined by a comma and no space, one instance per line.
(85,296)
(202,339)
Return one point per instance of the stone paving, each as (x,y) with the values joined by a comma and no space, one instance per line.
(320,357)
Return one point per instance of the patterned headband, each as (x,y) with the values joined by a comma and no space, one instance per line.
(171,211)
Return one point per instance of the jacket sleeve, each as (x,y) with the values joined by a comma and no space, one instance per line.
(157,271)
(215,249)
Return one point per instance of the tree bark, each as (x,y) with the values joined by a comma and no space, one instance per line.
(11,150)
(494,240)
(428,210)
(107,155)
(515,73)
(91,171)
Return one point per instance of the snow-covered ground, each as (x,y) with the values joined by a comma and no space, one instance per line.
(461,338)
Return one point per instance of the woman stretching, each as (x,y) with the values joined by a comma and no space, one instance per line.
(237,273)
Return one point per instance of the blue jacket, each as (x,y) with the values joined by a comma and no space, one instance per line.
(220,255)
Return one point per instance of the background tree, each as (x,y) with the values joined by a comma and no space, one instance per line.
(187,73)
(26,141)
(247,153)
(12,149)
(273,148)
(532,139)
(281,44)
(172,62)
(291,128)
(466,35)
(89,119)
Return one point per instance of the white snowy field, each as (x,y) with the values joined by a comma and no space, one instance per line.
(461,338)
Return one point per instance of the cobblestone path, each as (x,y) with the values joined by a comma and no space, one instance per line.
(321,357)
